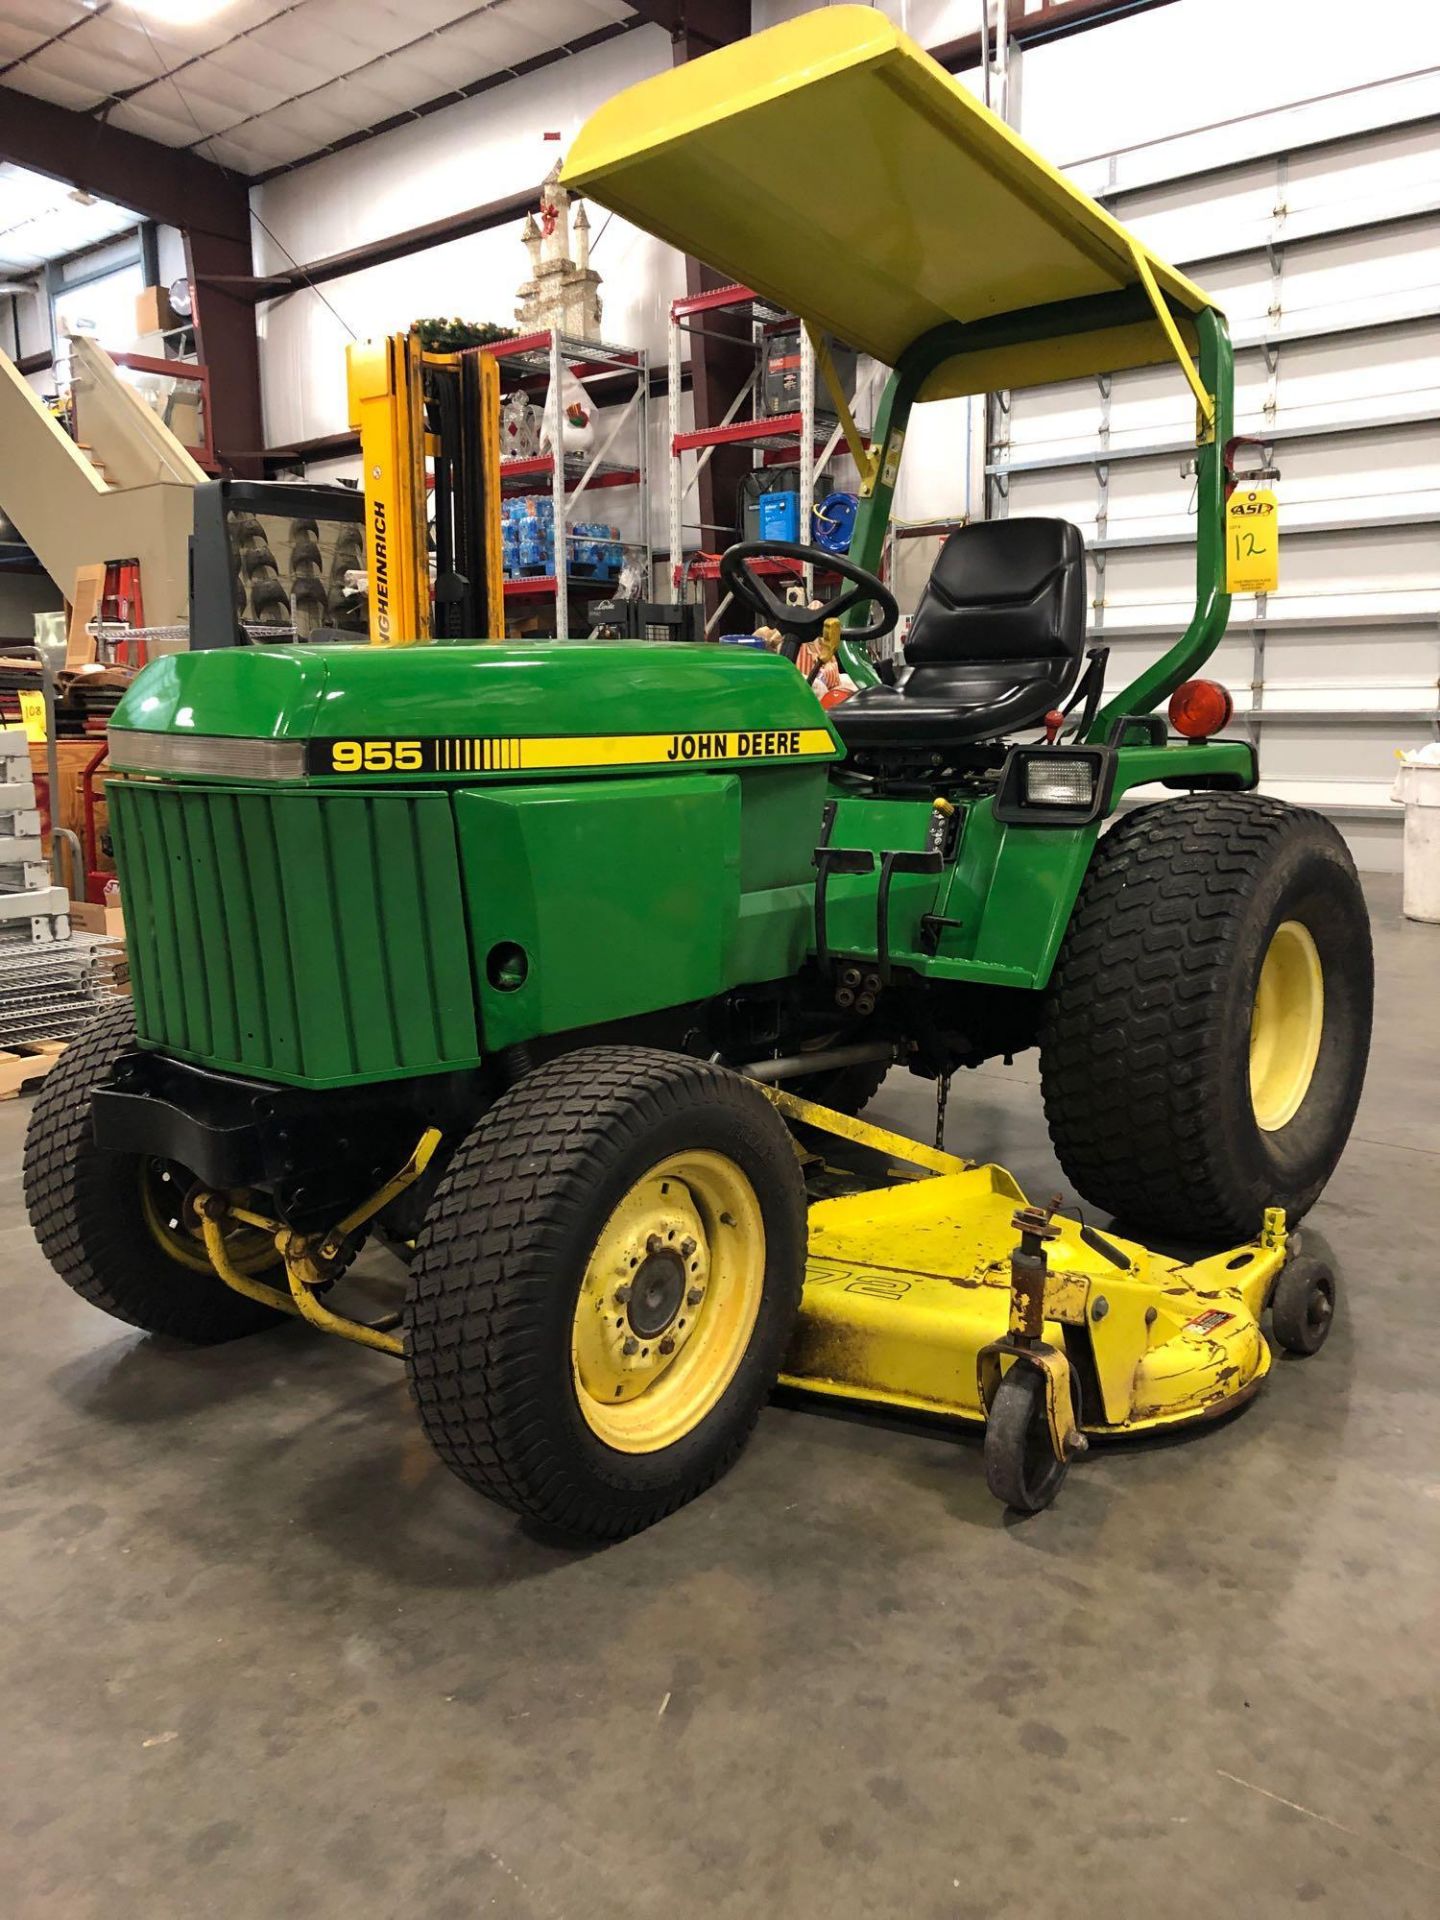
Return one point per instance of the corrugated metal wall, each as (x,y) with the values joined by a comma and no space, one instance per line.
(1326,257)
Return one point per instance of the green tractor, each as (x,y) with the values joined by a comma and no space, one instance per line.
(521,957)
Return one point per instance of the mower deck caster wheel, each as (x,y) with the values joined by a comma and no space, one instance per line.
(1302,1307)
(1020,1465)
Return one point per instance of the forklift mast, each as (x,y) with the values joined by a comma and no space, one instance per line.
(429,426)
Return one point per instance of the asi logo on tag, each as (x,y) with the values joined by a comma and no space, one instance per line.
(1252,541)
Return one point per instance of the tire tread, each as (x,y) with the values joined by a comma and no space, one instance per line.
(485,1264)
(1129,1074)
(89,1238)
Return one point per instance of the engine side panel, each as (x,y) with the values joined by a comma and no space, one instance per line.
(587,906)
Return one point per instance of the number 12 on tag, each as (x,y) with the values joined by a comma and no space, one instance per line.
(1252,541)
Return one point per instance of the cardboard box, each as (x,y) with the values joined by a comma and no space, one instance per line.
(153,311)
(183,418)
(93,916)
(85,601)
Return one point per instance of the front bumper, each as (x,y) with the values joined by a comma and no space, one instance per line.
(314,1153)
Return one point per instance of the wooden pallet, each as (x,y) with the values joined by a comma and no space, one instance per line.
(31,1060)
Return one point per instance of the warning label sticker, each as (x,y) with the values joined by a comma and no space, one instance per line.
(1207,1322)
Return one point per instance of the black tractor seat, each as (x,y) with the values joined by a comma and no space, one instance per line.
(997,641)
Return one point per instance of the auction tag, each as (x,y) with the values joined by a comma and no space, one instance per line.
(1252,541)
(32,713)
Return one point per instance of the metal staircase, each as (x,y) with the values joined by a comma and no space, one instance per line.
(122,495)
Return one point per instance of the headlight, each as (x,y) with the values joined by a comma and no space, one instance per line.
(1055,786)
(1058,782)
(132,751)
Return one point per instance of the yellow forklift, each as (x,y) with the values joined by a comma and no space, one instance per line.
(429,426)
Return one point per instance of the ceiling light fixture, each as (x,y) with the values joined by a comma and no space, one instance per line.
(180,13)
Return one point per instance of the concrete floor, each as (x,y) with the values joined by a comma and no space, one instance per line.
(263,1656)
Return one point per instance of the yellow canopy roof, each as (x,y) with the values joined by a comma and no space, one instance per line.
(831,165)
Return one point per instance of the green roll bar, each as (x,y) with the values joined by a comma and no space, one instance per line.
(925,356)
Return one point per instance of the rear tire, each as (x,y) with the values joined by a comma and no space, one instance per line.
(1150,1042)
(527,1307)
(87,1209)
(843,1089)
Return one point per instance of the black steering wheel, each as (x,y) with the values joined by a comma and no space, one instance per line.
(807,623)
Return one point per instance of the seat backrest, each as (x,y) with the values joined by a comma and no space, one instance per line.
(1003,590)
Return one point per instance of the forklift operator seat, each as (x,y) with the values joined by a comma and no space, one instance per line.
(997,641)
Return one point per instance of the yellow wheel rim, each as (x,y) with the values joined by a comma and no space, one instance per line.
(668,1302)
(165,1192)
(1285,1026)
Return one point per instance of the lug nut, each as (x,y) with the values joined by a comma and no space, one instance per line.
(865,1003)
(654,1244)
(667,1345)
(632,1345)
(844,996)
(694,1296)
(622,1294)
(686,1248)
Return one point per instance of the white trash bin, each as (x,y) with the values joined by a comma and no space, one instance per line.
(1417,788)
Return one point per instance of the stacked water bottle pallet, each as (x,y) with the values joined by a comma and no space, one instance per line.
(31,909)
(594,548)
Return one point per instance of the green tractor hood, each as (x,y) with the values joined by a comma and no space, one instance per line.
(471,711)
(349,864)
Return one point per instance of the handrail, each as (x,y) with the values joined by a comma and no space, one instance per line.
(193,372)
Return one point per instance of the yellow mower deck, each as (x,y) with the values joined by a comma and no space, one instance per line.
(925,1296)
(908,1285)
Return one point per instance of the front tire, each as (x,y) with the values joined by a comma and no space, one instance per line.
(113,1225)
(604,1288)
(1207,1028)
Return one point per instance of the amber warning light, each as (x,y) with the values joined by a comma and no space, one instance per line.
(1200,708)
